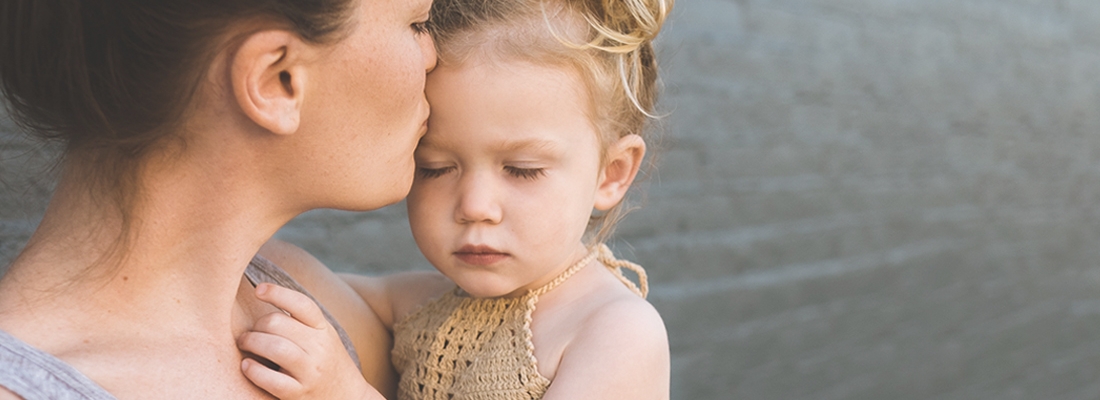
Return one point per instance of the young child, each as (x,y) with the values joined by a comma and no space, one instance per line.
(538,107)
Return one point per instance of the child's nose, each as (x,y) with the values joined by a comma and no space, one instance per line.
(477,202)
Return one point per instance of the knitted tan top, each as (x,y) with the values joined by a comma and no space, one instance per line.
(459,347)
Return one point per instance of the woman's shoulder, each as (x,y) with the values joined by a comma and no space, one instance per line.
(26,371)
(315,278)
(6,394)
(294,260)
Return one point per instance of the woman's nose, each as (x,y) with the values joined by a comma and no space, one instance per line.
(478,202)
(427,49)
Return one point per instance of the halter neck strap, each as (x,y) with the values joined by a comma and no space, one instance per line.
(564,275)
(616,266)
(602,253)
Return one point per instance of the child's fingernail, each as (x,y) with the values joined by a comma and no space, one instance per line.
(261,289)
(244,365)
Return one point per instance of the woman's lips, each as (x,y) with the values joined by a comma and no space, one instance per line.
(480,255)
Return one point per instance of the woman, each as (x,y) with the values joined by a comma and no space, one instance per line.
(193,131)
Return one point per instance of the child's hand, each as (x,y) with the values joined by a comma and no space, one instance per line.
(312,361)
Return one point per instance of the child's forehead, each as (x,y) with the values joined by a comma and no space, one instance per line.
(507,106)
(481,86)
(533,142)
(501,67)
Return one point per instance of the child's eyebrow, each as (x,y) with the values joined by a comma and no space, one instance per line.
(535,144)
(539,145)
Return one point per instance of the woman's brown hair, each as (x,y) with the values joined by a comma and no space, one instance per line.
(111,77)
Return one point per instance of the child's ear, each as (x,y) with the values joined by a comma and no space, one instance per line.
(268,79)
(624,159)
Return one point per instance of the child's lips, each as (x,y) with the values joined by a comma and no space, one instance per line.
(480,255)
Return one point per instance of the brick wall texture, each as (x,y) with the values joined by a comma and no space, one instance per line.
(854,199)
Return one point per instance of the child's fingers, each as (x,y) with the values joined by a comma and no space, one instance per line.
(281,324)
(278,384)
(277,349)
(297,304)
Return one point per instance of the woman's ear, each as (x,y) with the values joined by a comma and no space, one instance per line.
(268,79)
(624,159)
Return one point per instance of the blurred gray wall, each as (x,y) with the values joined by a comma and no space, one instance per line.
(856,199)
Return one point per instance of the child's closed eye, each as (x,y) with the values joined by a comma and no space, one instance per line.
(525,173)
(429,173)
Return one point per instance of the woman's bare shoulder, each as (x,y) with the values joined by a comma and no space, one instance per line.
(315,277)
(6,394)
(292,259)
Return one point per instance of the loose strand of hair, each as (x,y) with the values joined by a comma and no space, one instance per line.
(629,44)
(632,80)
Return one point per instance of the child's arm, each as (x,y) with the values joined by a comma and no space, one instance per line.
(621,352)
(312,361)
(391,297)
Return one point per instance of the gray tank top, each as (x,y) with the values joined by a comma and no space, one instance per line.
(34,374)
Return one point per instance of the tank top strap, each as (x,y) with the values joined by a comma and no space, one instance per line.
(31,373)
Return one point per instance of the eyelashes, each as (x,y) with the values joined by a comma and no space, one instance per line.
(517,172)
(421,27)
(429,173)
(525,173)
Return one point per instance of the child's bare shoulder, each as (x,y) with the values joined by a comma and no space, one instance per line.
(624,314)
(620,350)
(607,314)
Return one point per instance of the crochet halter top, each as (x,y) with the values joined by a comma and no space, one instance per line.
(459,347)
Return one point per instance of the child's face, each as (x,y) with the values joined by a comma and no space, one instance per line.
(506,175)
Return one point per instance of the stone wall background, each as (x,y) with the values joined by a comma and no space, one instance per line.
(856,199)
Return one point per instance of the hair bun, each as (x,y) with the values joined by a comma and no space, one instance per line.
(622,26)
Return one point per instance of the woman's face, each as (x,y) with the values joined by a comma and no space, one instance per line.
(366,107)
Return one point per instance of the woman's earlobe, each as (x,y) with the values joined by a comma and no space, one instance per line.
(624,160)
(268,81)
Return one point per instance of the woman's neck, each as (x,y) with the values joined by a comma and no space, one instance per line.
(190,239)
